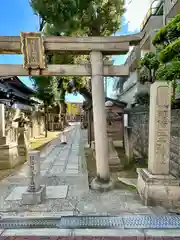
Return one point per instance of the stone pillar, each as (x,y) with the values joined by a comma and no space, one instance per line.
(155,184)
(22,144)
(2,120)
(35,193)
(102,181)
(159,128)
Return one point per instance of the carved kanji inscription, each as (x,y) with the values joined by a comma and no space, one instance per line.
(162,135)
(33,50)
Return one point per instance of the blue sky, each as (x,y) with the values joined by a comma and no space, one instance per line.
(17,16)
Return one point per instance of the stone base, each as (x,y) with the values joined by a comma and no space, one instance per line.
(9,156)
(33,198)
(113,158)
(160,190)
(3,141)
(93,145)
(99,186)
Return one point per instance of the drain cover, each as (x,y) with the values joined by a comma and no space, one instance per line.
(147,222)
(98,222)
(92,222)
(17,223)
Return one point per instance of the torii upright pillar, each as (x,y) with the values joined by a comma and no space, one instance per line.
(102,180)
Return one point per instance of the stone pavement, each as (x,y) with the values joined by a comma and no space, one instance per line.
(64,172)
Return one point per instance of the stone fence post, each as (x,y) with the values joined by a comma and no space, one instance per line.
(35,193)
(128,142)
(127,138)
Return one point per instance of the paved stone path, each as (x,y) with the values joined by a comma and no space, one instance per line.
(64,172)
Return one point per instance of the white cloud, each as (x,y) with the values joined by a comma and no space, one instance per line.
(135,12)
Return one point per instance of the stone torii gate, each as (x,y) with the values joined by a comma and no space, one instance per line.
(34,47)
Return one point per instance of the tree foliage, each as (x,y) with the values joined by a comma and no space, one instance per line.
(142,98)
(169,71)
(168,33)
(76,18)
(163,65)
(55,88)
(148,67)
(92,17)
(46,88)
(168,42)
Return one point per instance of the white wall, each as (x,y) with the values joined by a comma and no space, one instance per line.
(130,81)
(168,5)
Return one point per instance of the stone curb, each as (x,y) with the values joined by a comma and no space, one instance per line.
(95,233)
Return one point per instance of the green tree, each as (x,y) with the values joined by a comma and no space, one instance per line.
(92,17)
(149,65)
(62,85)
(47,91)
(76,18)
(67,84)
(167,42)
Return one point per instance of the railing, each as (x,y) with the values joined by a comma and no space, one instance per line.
(152,11)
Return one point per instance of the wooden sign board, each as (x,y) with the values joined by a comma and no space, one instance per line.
(32,47)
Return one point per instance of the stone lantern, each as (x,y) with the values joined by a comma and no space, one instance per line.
(22,140)
(113,156)
(108,107)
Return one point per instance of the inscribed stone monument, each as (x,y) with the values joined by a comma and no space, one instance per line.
(34,171)
(155,185)
(159,129)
